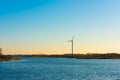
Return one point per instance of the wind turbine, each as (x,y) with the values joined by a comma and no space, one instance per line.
(72,45)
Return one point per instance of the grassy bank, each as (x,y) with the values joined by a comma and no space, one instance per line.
(7,58)
(78,56)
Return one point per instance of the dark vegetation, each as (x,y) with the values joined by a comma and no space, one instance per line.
(77,56)
(98,56)
(7,58)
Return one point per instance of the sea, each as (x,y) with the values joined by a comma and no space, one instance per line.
(60,69)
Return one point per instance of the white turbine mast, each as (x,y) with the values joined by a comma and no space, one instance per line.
(72,45)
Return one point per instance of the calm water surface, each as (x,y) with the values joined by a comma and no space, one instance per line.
(60,69)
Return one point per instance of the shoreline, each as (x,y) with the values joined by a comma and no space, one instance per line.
(6,58)
(75,56)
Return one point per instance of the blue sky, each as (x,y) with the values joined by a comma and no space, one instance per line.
(45,26)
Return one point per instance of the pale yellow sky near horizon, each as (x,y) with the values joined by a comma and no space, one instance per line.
(64,48)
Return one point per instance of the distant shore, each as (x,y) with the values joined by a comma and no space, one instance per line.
(76,56)
(8,58)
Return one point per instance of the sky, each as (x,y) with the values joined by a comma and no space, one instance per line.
(45,26)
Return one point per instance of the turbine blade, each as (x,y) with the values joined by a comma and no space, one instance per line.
(73,37)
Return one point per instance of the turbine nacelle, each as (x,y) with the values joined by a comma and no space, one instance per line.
(70,41)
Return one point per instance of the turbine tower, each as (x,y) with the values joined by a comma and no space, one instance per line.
(72,45)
